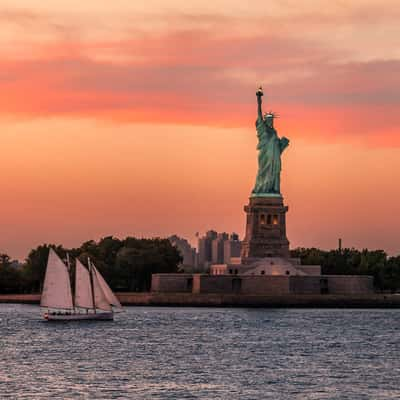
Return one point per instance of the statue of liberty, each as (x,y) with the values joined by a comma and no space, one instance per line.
(270,148)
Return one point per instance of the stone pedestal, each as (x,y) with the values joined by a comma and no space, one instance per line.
(265,229)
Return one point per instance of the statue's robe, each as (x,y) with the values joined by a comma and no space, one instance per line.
(270,148)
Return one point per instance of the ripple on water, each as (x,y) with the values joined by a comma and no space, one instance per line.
(200,353)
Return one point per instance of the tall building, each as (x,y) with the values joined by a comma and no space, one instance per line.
(205,248)
(232,249)
(217,248)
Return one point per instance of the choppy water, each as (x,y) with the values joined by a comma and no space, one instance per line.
(200,353)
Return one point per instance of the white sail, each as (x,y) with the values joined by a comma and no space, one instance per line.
(83,289)
(110,296)
(57,286)
(100,299)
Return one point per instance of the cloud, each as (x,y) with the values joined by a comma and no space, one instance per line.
(204,75)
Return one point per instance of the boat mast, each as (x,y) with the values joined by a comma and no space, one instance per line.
(68,263)
(69,273)
(91,284)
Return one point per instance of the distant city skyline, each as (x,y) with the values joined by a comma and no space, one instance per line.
(212,248)
(132,118)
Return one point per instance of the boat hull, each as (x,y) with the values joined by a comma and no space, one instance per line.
(106,316)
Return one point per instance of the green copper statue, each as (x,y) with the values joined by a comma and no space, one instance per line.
(270,148)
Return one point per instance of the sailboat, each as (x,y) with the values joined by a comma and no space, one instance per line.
(93,300)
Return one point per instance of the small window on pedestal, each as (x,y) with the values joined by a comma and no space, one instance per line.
(262,219)
(275,220)
(269,219)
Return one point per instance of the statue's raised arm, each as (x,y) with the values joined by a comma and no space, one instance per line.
(259,94)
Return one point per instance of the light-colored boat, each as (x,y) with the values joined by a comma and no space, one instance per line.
(93,300)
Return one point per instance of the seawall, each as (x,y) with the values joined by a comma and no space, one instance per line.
(377,300)
(20,298)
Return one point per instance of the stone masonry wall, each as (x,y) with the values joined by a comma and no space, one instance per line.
(305,284)
(350,284)
(171,283)
(269,285)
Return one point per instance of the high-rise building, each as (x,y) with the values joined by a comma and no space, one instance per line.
(217,248)
(205,248)
(232,248)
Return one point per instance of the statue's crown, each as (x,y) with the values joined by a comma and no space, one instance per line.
(270,114)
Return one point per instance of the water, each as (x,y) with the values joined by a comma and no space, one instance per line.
(202,353)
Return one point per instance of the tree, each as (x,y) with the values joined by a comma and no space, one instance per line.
(36,265)
(354,262)
(140,258)
(10,280)
(390,276)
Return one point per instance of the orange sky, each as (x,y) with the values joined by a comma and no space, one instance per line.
(127,119)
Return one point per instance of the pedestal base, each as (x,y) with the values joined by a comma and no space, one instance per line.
(265,229)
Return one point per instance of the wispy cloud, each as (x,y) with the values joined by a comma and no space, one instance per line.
(206,74)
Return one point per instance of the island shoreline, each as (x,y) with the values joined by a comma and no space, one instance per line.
(377,300)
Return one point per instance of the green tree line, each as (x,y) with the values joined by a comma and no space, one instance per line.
(384,269)
(127,265)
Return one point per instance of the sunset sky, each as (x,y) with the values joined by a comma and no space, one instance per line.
(137,118)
